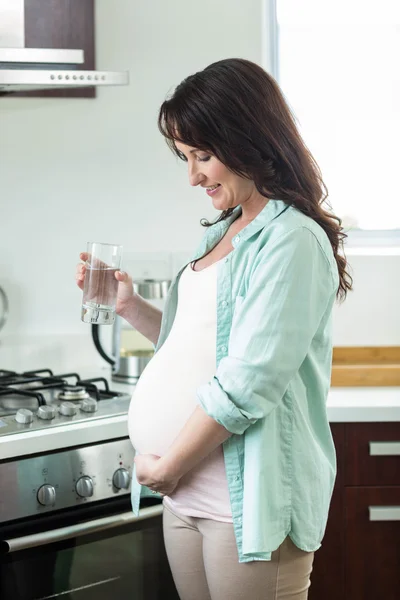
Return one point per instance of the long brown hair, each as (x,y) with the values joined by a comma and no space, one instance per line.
(236,111)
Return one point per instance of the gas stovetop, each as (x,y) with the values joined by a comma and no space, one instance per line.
(63,442)
(40,399)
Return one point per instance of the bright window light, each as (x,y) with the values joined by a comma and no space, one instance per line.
(339,68)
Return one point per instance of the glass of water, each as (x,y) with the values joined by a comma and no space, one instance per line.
(100,287)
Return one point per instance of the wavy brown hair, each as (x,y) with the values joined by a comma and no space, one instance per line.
(236,111)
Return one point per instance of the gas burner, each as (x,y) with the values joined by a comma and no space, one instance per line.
(40,399)
(73,392)
(6,374)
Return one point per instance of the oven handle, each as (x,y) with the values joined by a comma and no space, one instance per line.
(64,533)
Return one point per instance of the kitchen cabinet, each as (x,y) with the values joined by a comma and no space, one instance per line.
(372,563)
(327,579)
(360,554)
(62,24)
(372,454)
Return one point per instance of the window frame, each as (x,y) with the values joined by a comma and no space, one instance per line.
(357,238)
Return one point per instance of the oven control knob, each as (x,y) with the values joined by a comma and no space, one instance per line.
(68,409)
(84,487)
(89,405)
(46,495)
(121,479)
(46,412)
(24,416)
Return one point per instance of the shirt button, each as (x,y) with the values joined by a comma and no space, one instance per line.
(226,259)
(237,478)
(236,239)
(224,348)
(238,520)
(224,303)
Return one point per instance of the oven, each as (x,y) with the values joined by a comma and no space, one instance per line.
(67,530)
(107,553)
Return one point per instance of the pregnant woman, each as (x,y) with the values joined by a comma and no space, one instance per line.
(229,418)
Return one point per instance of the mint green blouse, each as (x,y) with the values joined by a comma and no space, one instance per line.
(275,294)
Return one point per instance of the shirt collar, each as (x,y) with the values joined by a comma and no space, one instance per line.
(270,212)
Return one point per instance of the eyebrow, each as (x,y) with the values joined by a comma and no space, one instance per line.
(197,150)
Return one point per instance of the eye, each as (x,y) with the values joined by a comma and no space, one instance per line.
(181,156)
(203,158)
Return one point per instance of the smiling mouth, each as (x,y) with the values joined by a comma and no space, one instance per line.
(213,187)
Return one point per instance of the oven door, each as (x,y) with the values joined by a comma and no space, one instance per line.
(113,556)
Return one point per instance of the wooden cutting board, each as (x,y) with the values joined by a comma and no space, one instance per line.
(366,366)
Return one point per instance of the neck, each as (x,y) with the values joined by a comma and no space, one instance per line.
(252,207)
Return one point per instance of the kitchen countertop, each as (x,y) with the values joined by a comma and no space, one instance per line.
(363,404)
(345,405)
(348,404)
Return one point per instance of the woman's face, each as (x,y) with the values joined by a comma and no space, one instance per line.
(226,189)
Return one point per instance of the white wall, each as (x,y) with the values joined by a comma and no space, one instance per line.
(73,170)
(370,315)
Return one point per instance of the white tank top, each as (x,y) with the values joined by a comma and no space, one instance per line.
(165,395)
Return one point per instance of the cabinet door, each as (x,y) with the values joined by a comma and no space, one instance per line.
(372,454)
(372,564)
(327,578)
(62,24)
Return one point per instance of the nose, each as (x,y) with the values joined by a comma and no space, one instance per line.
(195,174)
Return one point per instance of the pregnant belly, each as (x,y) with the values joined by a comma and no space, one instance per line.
(154,423)
(163,401)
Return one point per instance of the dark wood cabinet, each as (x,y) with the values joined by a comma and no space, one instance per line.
(372,562)
(327,579)
(363,467)
(360,554)
(62,24)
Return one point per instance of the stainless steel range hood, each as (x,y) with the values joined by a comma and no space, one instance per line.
(30,69)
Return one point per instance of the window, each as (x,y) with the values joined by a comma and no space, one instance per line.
(337,62)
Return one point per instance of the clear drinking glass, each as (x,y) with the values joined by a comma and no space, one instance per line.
(100,286)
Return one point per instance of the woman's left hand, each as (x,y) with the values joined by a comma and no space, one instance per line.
(150,472)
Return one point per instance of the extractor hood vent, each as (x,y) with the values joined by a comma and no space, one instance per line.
(31,69)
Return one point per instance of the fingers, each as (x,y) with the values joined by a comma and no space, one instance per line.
(80,274)
(92,261)
(80,271)
(121,276)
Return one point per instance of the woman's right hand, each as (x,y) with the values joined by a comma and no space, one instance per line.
(125,287)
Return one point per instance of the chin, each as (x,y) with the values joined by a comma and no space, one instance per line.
(221,204)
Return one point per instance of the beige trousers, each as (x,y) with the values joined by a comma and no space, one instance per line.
(204,562)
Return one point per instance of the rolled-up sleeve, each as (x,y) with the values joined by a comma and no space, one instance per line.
(291,287)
